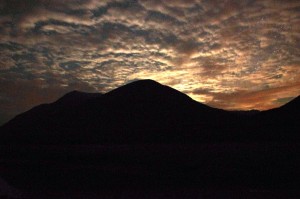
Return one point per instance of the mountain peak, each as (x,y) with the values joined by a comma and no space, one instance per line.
(142,84)
(147,90)
(146,82)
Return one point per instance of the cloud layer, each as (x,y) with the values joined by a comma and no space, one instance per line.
(234,54)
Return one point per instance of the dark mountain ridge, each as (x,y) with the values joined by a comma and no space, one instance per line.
(144,111)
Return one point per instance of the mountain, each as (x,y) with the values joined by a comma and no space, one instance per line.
(142,112)
(145,136)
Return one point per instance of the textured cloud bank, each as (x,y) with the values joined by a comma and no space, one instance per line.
(242,54)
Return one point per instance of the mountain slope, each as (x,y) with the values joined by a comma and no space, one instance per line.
(282,123)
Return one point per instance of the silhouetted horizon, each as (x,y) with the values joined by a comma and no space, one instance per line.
(81,94)
(85,94)
(147,111)
(144,136)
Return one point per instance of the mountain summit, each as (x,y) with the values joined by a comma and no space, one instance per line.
(145,90)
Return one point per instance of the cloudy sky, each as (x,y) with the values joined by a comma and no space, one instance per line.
(234,54)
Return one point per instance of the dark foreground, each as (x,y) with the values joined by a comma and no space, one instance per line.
(169,193)
(227,170)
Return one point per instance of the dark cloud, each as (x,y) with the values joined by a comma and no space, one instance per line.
(229,54)
(15,7)
(24,57)
(72,65)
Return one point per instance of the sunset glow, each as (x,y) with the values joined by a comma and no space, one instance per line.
(234,55)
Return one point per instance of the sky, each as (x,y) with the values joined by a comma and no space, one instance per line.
(229,54)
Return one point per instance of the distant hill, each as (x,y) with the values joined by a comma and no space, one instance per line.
(145,112)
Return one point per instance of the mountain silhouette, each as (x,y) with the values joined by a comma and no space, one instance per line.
(143,111)
(144,135)
(140,111)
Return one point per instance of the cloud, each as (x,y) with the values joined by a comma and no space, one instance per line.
(72,65)
(261,100)
(229,54)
